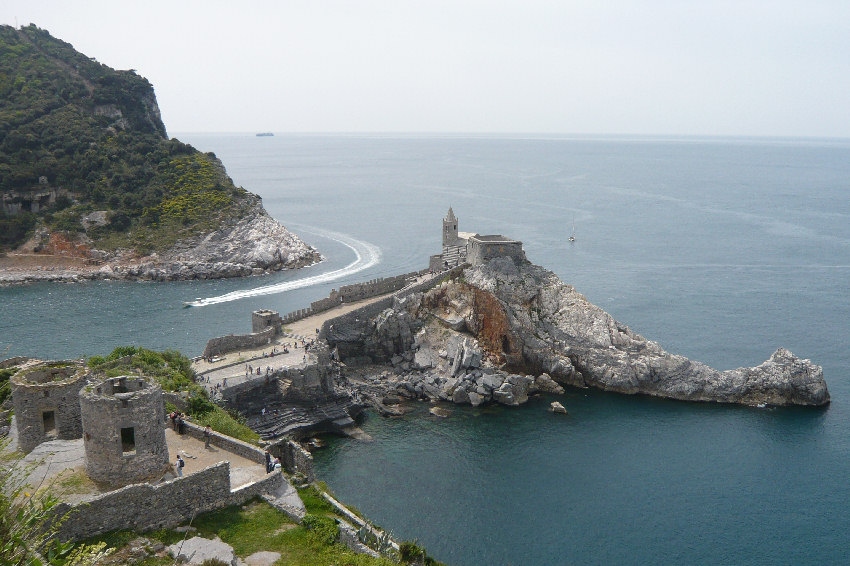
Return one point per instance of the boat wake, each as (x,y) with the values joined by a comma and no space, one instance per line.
(366,255)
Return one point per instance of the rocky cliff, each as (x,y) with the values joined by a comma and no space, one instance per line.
(502,331)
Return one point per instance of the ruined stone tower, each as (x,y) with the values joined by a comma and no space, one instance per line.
(124,424)
(46,401)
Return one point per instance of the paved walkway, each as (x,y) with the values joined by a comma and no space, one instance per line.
(242,470)
(226,367)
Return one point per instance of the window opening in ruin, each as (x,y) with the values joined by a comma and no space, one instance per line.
(119,387)
(128,440)
(48,420)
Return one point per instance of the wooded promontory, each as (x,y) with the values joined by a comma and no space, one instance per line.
(89,176)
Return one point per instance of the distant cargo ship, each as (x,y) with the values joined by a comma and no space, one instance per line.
(265,134)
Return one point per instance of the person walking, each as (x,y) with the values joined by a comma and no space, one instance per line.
(207,435)
(268,462)
(179,465)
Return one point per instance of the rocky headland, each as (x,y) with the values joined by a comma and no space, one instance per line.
(501,331)
(252,245)
(92,187)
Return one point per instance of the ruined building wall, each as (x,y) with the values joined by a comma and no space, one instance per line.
(44,390)
(142,507)
(294,458)
(133,404)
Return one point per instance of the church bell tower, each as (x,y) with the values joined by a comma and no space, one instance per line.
(449,229)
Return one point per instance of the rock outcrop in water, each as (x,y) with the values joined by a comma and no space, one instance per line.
(486,335)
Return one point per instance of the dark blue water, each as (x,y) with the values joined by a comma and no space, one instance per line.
(721,250)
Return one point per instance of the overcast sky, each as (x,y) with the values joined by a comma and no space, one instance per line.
(711,67)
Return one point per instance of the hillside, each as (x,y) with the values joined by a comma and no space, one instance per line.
(88,172)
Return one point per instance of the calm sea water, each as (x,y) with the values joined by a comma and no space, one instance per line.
(719,249)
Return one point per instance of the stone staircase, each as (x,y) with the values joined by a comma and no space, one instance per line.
(330,415)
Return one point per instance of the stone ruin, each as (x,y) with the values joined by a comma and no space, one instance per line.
(47,403)
(120,419)
(123,420)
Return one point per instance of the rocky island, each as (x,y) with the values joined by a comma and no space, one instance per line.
(499,328)
(500,331)
(91,187)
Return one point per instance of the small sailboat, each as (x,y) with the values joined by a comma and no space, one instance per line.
(572,237)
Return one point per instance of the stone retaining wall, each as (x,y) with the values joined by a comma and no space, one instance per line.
(234,342)
(143,507)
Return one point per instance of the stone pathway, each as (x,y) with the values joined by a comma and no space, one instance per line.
(232,366)
(242,470)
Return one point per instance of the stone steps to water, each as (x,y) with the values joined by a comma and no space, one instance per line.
(331,415)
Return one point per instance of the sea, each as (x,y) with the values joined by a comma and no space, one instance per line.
(720,249)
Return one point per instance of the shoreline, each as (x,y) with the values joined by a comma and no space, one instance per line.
(21,269)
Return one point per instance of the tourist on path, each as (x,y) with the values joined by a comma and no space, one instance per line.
(207,435)
(268,462)
(179,465)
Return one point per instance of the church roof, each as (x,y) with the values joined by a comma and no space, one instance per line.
(450,217)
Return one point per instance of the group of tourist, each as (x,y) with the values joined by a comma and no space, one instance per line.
(177,419)
(272,463)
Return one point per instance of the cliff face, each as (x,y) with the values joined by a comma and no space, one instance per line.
(553,321)
(513,321)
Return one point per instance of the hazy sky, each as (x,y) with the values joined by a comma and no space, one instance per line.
(710,67)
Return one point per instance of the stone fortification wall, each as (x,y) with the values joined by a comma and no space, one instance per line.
(228,443)
(124,426)
(142,507)
(294,458)
(374,309)
(354,293)
(46,401)
(233,342)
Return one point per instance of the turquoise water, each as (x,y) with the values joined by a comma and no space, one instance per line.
(721,250)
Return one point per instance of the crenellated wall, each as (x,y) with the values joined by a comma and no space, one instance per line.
(353,293)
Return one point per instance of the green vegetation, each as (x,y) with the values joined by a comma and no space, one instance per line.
(27,522)
(5,385)
(255,527)
(95,135)
(173,371)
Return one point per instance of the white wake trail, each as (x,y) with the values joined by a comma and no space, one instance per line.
(366,255)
